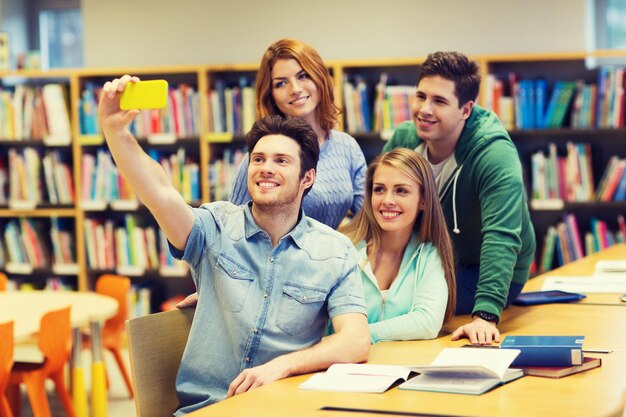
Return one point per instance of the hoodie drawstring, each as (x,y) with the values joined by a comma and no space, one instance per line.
(456,229)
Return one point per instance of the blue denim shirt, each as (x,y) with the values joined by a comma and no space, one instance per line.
(257,302)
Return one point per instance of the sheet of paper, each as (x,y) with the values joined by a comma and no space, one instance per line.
(586,284)
(611,266)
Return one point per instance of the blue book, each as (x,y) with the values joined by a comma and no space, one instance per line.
(546,350)
(531,298)
(541,97)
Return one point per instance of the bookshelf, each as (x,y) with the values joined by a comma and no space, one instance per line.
(589,131)
(37,188)
(201,136)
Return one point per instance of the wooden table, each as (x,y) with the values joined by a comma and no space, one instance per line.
(597,392)
(25,309)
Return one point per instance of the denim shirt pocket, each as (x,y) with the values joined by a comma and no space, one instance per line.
(232,283)
(299,306)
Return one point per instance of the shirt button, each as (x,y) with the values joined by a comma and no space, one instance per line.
(265,295)
(271,259)
(255,330)
(234,273)
(247,359)
(303,298)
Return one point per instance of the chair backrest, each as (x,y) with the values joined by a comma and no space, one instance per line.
(3,281)
(55,338)
(156,343)
(118,287)
(6,354)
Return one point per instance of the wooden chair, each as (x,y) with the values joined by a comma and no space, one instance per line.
(6,363)
(54,341)
(118,287)
(3,281)
(156,343)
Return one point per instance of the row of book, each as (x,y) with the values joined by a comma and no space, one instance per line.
(564,241)
(181,118)
(390,106)
(537,104)
(222,173)
(566,178)
(126,247)
(232,108)
(102,181)
(35,112)
(570,177)
(33,180)
(183,172)
(24,244)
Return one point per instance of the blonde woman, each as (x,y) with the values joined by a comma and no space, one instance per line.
(406,258)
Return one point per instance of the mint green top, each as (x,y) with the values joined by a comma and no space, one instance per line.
(415,306)
(485,206)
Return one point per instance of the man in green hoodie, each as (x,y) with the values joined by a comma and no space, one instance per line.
(480,185)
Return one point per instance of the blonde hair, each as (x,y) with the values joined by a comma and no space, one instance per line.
(307,57)
(430,223)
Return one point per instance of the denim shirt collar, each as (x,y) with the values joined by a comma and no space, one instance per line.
(297,234)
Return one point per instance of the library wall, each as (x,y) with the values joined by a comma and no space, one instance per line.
(144,32)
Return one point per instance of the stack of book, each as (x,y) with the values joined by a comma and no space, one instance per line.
(550,356)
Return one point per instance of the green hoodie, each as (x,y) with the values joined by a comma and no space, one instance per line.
(485,206)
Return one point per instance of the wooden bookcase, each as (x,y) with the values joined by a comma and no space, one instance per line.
(206,146)
(603,143)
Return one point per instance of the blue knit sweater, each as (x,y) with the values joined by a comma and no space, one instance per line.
(339,185)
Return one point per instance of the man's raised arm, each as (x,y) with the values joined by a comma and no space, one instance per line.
(146,176)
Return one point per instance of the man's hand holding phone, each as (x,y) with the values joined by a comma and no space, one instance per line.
(123,98)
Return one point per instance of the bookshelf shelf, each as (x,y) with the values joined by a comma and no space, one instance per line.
(46,213)
(211,131)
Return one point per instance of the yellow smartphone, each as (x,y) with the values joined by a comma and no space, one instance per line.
(150,94)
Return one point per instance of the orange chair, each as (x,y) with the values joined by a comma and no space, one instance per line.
(54,341)
(118,287)
(6,363)
(3,281)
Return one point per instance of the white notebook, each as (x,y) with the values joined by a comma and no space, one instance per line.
(354,377)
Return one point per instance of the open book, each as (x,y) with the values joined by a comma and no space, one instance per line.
(354,377)
(465,371)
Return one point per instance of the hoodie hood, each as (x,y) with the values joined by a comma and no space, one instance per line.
(481,128)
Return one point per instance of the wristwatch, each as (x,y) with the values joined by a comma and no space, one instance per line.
(486,316)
